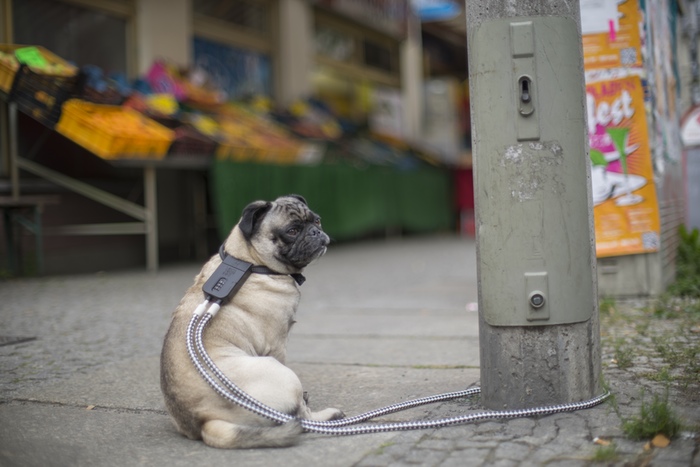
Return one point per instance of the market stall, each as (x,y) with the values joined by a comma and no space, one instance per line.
(172,118)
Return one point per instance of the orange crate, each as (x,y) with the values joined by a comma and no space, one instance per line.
(8,65)
(114,132)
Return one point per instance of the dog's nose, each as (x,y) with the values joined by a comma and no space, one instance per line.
(315,232)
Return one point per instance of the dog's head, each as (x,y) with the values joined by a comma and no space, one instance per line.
(284,235)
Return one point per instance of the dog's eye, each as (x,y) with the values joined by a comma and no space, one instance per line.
(293,232)
(318,221)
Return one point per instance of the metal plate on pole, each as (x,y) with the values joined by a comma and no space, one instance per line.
(531,186)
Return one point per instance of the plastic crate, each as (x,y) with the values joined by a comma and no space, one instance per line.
(109,96)
(190,141)
(40,92)
(41,96)
(114,132)
(8,66)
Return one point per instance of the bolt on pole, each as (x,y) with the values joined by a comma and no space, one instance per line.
(538,308)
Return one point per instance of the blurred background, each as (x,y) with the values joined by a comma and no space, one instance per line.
(178,113)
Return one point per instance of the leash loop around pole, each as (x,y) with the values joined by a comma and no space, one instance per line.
(348,426)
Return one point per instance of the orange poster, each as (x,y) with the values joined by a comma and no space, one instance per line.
(611,41)
(624,195)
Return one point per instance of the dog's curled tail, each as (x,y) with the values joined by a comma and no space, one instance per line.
(227,435)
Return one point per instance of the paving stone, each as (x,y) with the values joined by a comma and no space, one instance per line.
(521,426)
(467,458)
(431,443)
(504,463)
(679,452)
(513,451)
(470,443)
(540,435)
(425,456)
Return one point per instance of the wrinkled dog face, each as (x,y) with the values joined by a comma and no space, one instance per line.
(285,231)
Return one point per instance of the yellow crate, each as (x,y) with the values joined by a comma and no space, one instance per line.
(9,66)
(114,132)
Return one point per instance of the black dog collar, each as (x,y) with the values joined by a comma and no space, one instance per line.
(298,277)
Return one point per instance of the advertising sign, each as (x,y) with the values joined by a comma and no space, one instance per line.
(624,195)
(611,34)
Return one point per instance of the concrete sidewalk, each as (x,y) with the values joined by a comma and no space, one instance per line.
(379,322)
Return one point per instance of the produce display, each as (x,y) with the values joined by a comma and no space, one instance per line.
(38,59)
(187,86)
(245,135)
(175,110)
(311,119)
(206,125)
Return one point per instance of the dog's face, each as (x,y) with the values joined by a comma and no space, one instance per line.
(285,233)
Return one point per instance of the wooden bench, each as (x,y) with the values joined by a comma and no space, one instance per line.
(24,211)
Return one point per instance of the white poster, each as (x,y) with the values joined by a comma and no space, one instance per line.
(598,16)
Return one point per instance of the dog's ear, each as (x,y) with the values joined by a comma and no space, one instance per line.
(299,197)
(252,216)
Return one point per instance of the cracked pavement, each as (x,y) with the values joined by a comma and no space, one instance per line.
(379,322)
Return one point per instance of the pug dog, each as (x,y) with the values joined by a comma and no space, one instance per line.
(247,339)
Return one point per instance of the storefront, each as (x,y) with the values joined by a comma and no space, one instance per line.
(99,33)
(446,122)
(323,103)
(367,183)
(234,44)
(356,62)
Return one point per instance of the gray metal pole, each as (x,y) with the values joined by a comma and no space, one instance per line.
(538,312)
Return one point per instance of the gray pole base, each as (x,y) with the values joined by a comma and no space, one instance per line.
(524,367)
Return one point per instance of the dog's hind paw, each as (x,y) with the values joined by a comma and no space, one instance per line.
(327,414)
